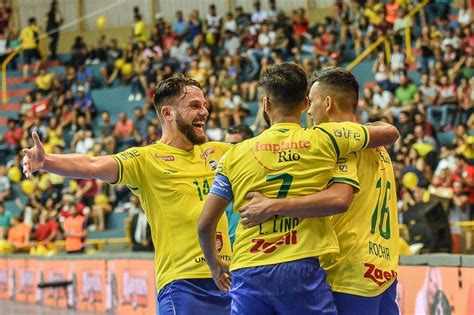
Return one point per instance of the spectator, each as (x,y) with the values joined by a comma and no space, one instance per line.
(132,206)
(421,137)
(75,232)
(82,142)
(213,131)
(140,233)
(464,14)
(47,229)
(6,13)
(140,123)
(242,19)
(83,78)
(139,29)
(213,26)
(259,16)
(79,52)
(179,26)
(12,136)
(110,71)
(19,235)
(44,82)
(84,105)
(29,37)
(106,129)
(5,221)
(54,19)
(194,27)
(153,134)
(124,131)
(100,208)
(405,93)
(459,211)
(5,184)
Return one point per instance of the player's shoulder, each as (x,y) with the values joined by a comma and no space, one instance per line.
(133,152)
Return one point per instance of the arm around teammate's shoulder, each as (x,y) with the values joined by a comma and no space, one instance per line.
(382,134)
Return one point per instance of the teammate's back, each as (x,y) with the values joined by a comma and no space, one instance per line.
(368,232)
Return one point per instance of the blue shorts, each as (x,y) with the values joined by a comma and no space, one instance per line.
(383,304)
(193,296)
(297,287)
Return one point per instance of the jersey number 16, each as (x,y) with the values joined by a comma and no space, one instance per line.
(384,221)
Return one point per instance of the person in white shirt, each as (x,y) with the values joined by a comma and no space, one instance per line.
(213,131)
(258,16)
(464,14)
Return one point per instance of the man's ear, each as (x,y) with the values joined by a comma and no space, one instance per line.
(167,113)
(306,104)
(329,104)
(266,104)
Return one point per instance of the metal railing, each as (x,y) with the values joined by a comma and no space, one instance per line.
(386,40)
(4,74)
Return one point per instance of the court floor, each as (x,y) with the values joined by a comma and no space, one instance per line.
(12,307)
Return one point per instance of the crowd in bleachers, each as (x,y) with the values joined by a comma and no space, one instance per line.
(226,54)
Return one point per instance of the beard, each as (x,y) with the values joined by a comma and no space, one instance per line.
(188,131)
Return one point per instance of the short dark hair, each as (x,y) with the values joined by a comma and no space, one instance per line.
(170,89)
(286,84)
(340,81)
(242,129)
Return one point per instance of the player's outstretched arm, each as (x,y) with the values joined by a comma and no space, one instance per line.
(334,200)
(382,134)
(69,165)
(207,226)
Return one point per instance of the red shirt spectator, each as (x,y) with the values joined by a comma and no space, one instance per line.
(300,23)
(464,173)
(13,135)
(124,127)
(46,230)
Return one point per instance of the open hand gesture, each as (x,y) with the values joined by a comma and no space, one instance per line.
(33,159)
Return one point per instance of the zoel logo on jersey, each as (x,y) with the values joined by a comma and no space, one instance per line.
(262,246)
(378,275)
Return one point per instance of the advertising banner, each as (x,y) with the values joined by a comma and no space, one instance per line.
(130,286)
(53,271)
(436,290)
(22,280)
(90,278)
(4,277)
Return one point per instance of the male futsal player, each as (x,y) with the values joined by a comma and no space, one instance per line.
(275,267)
(172,177)
(363,275)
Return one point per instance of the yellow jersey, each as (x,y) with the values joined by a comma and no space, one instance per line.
(368,232)
(28,37)
(140,31)
(287,160)
(172,185)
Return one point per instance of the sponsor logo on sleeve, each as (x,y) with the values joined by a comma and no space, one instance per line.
(166,158)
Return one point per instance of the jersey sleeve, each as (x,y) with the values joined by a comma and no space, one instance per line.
(345,172)
(131,164)
(222,187)
(346,137)
(222,166)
